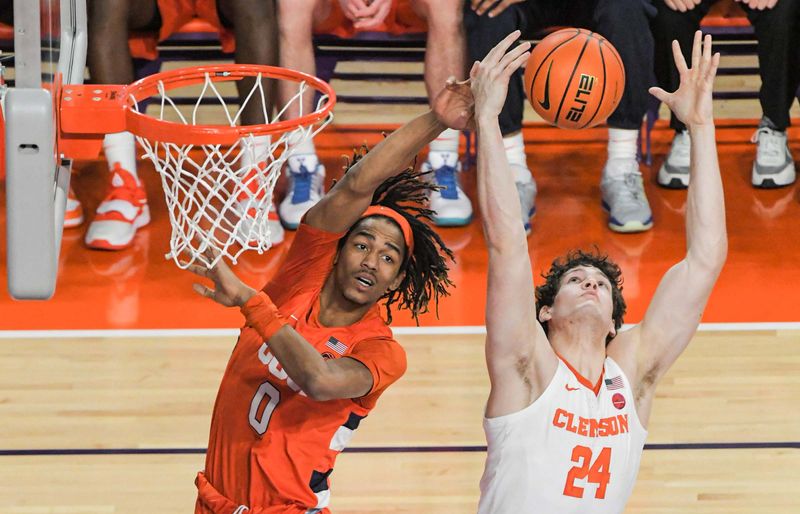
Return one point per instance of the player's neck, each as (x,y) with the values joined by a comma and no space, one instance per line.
(583,346)
(335,310)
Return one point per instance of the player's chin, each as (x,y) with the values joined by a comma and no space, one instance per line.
(361,298)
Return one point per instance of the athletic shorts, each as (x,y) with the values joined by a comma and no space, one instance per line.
(211,500)
(401,20)
(174,15)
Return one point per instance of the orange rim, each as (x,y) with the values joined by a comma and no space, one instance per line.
(159,130)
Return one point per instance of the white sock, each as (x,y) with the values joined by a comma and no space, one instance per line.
(437,159)
(120,147)
(255,151)
(622,143)
(446,142)
(515,153)
(303,152)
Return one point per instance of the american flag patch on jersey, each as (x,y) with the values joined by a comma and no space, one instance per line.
(336,345)
(614,383)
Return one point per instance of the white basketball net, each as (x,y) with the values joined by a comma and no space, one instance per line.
(219,197)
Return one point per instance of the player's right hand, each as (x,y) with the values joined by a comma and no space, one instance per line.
(489,77)
(228,290)
(454,105)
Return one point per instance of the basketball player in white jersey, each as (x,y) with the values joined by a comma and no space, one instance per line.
(571,397)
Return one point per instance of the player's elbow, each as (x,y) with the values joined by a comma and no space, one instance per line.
(357,185)
(708,265)
(318,389)
(714,258)
(722,253)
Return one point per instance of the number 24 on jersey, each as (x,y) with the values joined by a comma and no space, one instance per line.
(596,472)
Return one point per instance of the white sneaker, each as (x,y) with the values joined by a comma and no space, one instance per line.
(624,197)
(249,216)
(674,173)
(450,204)
(73,214)
(276,232)
(253,194)
(123,211)
(774,166)
(306,187)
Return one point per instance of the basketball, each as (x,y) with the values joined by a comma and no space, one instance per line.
(574,78)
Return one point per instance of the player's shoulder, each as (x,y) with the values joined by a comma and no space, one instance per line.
(624,351)
(377,344)
(625,344)
(310,232)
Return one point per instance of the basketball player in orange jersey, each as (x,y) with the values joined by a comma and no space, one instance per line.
(571,396)
(315,354)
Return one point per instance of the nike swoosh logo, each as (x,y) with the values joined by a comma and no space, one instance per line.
(568,388)
(546,102)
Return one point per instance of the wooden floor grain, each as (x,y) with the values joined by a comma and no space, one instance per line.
(141,393)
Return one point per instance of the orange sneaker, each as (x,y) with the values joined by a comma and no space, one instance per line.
(123,211)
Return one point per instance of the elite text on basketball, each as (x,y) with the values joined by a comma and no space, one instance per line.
(585,85)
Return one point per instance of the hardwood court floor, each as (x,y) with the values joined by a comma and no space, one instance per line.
(153,395)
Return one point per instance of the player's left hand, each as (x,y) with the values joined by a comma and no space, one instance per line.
(454,105)
(692,102)
(759,5)
(228,290)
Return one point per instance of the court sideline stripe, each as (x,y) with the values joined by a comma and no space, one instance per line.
(386,449)
(231,332)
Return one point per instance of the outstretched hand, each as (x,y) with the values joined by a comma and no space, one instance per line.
(692,102)
(228,290)
(489,77)
(454,105)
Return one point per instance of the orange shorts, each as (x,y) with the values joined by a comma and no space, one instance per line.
(211,501)
(174,15)
(401,20)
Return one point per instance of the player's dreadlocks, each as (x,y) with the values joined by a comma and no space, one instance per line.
(546,293)
(426,268)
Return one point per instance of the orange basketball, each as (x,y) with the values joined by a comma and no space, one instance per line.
(574,78)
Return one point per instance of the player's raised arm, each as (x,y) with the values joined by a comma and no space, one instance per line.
(675,311)
(518,356)
(344,203)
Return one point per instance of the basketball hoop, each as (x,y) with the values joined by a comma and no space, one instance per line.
(218,179)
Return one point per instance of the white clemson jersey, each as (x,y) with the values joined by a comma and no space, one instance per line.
(575,449)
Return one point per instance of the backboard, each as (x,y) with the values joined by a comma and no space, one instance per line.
(50,50)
